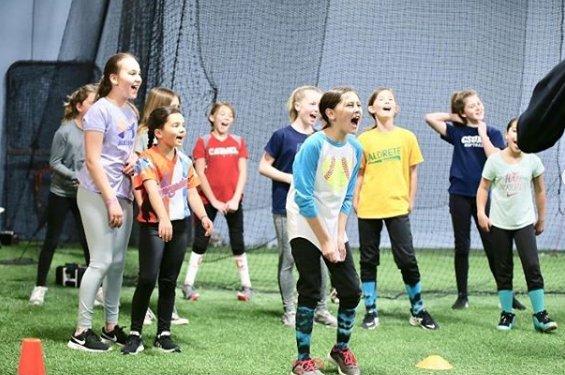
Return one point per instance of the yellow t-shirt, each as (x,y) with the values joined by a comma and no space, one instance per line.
(388,156)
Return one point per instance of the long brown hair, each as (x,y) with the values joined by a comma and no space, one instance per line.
(330,99)
(112,67)
(157,97)
(157,120)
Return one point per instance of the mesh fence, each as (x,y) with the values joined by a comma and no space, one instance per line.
(254,53)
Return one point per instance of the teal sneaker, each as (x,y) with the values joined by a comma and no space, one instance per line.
(543,323)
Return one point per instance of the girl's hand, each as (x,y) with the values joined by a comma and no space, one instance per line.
(115,213)
(165,230)
(342,251)
(207,225)
(330,251)
(220,206)
(129,166)
(482,128)
(484,222)
(232,205)
(539,227)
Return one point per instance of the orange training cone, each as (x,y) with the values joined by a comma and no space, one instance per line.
(434,362)
(31,358)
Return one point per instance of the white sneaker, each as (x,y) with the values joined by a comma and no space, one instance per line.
(289,318)
(176,319)
(149,317)
(324,317)
(38,295)
(99,300)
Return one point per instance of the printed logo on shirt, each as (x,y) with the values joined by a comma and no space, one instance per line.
(471,141)
(126,134)
(336,173)
(215,151)
(170,190)
(382,156)
(512,183)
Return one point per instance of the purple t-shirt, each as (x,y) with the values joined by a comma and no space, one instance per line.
(119,126)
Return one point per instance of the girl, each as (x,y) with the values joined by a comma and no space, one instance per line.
(157,97)
(276,164)
(473,141)
(511,172)
(221,163)
(389,171)
(318,204)
(166,178)
(67,157)
(105,197)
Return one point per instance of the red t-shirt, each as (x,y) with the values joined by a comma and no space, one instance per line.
(222,158)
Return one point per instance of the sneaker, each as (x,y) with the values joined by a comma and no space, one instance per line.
(517,305)
(88,341)
(507,321)
(424,320)
(460,303)
(289,318)
(190,293)
(176,319)
(149,317)
(371,320)
(99,300)
(543,323)
(244,294)
(134,344)
(116,336)
(164,343)
(37,295)
(345,361)
(325,317)
(333,296)
(305,367)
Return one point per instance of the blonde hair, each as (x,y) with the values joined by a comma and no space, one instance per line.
(216,106)
(297,95)
(157,97)
(78,96)
(458,102)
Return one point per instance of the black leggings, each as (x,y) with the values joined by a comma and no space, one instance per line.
(235,228)
(402,248)
(158,260)
(57,209)
(462,209)
(309,286)
(526,246)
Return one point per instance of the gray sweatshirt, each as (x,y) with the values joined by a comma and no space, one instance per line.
(67,157)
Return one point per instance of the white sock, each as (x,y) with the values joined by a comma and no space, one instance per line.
(193,264)
(243,269)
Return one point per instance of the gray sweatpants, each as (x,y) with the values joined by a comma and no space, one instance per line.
(287,285)
(107,255)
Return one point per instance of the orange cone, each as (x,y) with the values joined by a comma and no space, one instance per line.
(31,358)
(434,362)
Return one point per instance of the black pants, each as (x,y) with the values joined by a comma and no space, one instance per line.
(402,247)
(462,209)
(158,260)
(57,209)
(235,228)
(526,246)
(309,286)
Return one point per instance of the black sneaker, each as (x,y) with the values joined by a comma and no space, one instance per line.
(517,305)
(87,341)
(543,323)
(164,342)
(371,320)
(460,303)
(424,320)
(507,320)
(134,345)
(116,336)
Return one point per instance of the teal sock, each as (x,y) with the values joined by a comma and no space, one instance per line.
(345,321)
(304,323)
(370,295)
(506,297)
(415,294)
(537,299)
